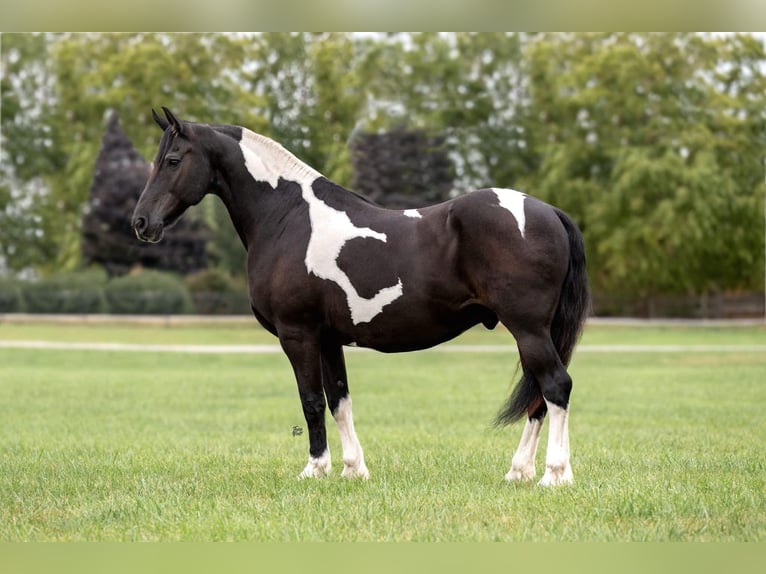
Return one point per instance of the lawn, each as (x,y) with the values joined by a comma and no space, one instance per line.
(164,446)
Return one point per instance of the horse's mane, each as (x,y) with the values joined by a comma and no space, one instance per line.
(273,154)
(284,162)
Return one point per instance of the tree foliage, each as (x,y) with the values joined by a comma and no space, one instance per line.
(653,142)
(462,86)
(313,95)
(57,92)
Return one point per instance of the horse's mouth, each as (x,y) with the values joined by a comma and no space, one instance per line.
(153,238)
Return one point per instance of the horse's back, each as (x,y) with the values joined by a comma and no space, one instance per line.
(516,221)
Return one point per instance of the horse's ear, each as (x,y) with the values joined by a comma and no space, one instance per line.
(162,122)
(174,123)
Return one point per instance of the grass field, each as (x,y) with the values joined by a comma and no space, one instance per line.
(163,446)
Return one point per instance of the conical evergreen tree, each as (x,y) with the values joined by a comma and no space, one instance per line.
(402,168)
(108,239)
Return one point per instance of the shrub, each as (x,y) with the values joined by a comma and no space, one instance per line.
(76,292)
(149,293)
(10,296)
(216,292)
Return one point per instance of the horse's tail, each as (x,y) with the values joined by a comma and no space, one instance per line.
(572,310)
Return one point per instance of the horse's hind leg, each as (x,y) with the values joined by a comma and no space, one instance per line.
(523,461)
(540,359)
(335,383)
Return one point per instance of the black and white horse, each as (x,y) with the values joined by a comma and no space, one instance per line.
(328,268)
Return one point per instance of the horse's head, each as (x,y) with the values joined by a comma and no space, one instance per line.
(180,178)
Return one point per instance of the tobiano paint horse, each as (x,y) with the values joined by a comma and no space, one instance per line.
(328,268)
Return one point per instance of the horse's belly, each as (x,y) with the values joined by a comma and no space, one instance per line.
(401,332)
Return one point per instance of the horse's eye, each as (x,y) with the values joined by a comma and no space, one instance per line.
(172,162)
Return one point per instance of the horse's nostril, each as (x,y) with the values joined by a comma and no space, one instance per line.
(139,224)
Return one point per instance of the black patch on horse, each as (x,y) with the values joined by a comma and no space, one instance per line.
(367,263)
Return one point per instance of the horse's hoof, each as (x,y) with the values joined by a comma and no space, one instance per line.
(352,472)
(317,467)
(313,472)
(520,474)
(557,476)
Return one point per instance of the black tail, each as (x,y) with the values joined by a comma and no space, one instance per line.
(573,309)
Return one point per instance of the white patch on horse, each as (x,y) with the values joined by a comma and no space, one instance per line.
(523,461)
(317,467)
(557,468)
(330,230)
(414,213)
(353,457)
(513,201)
(266,160)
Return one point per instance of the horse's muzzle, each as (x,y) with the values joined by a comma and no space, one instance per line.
(146,232)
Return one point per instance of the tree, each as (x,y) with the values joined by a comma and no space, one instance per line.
(108,239)
(402,168)
(313,95)
(654,143)
(465,87)
(26,154)
(73,81)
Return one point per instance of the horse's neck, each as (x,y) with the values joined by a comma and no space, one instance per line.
(269,165)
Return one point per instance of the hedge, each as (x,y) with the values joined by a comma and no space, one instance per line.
(81,292)
(215,292)
(149,292)
(11,300)
(85,292)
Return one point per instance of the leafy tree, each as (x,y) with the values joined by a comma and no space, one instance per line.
(654,144)
(313,95)
(27,210)
(80,78)
(464,87)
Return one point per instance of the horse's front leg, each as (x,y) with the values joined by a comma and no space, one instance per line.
(303,350)
(335,384)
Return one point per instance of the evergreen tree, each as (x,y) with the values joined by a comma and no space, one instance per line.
(108,239)
(402,168)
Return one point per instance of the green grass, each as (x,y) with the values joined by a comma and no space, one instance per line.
(151,446)
(238,333)
(249,333)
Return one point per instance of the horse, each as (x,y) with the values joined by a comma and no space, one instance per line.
(328,268)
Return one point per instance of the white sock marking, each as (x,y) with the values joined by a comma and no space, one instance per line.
(557,467)
(513,201)
(523,461)
(353,457)
(317,467)
(414,213)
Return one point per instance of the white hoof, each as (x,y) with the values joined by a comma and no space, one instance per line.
(557,476)
(317,467)
(356,471)
(520,474)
